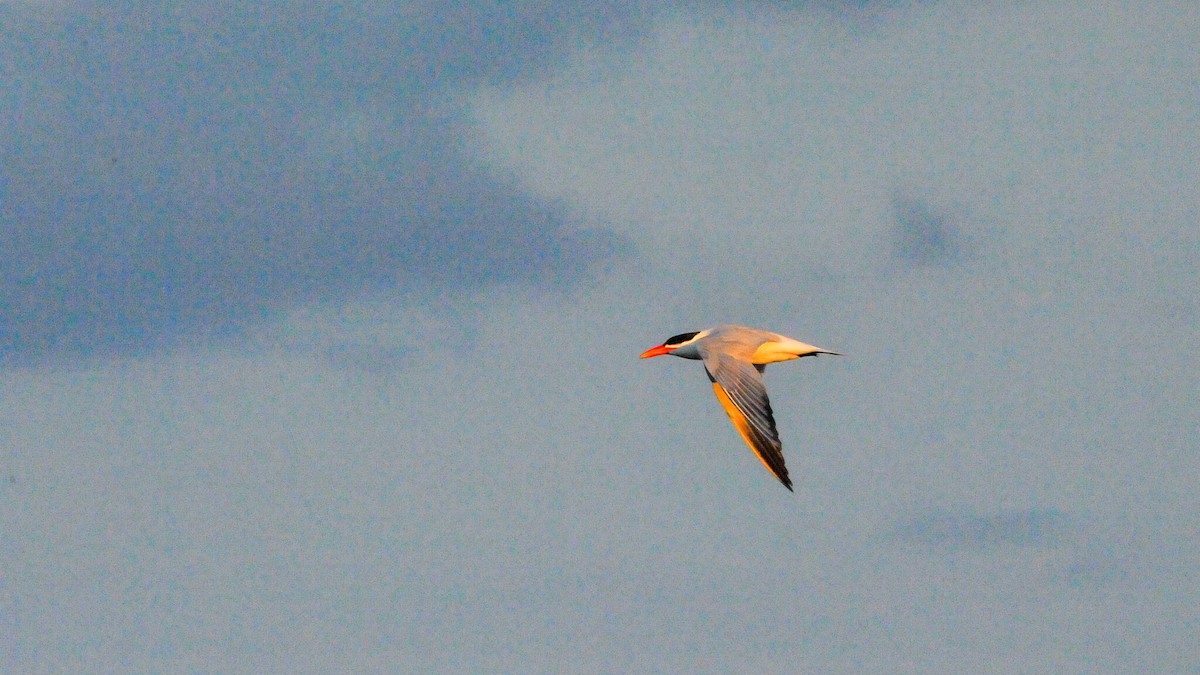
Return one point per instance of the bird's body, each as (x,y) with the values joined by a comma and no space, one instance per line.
(734,358)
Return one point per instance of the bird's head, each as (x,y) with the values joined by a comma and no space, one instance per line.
(672,343)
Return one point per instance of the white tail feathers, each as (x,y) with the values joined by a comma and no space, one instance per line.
(784,349)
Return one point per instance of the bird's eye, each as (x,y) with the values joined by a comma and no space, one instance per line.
(680,339)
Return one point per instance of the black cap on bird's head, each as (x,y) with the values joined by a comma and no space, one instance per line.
(676,340)
(672,343)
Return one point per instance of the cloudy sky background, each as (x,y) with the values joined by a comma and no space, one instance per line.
(318,336)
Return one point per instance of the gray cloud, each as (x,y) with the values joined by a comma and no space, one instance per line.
(925,235)
(1036,527)
(175,171)
(531,494)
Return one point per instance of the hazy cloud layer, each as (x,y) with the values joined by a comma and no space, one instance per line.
(974,531)
(989,209)
(178,171)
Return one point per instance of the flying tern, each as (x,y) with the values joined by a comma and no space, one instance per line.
(734,358)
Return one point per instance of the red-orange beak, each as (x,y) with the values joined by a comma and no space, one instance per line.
(656,351)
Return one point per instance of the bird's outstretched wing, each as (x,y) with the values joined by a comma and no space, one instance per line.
(740,389)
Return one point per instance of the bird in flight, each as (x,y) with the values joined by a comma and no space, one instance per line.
(734,358)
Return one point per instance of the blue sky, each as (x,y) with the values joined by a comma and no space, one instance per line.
(319,333)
